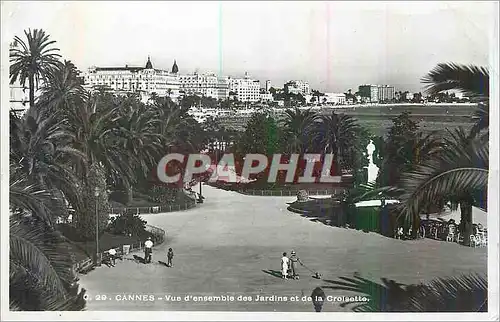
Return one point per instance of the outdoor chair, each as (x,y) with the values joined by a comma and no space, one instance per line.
(451,234)
(421,231)
(474,241)
(482,237)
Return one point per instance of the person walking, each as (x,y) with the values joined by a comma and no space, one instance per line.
(170,255)
(284,266)
(294,261)
(148,249)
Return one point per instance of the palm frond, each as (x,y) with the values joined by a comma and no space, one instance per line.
(460,169)
(471,80)
(481,118)
(465,293)
(33,252)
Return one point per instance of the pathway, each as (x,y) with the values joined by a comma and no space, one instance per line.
(223,247)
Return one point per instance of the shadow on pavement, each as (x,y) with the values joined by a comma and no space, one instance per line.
(273,273)
(139,259)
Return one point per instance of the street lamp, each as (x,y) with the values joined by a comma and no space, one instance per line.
(96,194)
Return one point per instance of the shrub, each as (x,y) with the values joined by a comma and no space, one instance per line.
(164,195)
(119,196)
(128,224)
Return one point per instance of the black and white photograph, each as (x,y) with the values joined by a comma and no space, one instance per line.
(281,160)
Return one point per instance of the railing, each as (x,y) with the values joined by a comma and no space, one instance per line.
(153,209)
(285,193)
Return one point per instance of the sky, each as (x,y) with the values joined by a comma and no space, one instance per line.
(332,45)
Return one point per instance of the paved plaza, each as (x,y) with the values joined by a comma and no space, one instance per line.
(230,245)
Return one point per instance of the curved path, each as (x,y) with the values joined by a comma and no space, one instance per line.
(223,247)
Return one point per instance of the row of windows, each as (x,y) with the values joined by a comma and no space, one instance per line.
(128,77)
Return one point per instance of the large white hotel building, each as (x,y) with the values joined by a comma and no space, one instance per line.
(144,80)
(147,80)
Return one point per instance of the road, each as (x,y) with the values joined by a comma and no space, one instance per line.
(226,245)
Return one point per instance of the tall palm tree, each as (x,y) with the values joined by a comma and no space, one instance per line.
(32,60)
(63,90)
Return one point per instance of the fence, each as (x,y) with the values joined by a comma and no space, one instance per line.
(153,209)
(285,193)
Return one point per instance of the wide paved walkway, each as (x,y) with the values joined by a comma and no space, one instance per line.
(225,245)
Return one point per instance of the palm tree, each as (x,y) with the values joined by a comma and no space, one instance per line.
(41,276)
(460,170)
(63,90)
(456,174)
(297,125)
(337,134)
(32,60)
(40,147)
(474,81)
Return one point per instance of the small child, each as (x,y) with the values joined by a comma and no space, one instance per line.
(170,255)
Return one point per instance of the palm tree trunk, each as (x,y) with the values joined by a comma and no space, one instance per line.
(130,194)
(466,221)
(31,82)
(336,164)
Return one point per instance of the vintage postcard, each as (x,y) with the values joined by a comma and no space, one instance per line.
(228,160)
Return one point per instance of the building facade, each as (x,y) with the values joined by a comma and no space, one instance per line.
(246,89)
(368,93)
(376,93)
(18,98)
(334,98)
(297,87)
(209,85)
(268,85)
(266,97)
(386,93)
(144,80)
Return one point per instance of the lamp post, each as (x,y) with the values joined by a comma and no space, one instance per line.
(201,198)
(96,194)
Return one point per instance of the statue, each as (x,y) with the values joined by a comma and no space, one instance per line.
(372,168)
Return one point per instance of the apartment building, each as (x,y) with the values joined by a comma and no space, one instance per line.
(246,89)
(386,93)
(208,84)
(297,87)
